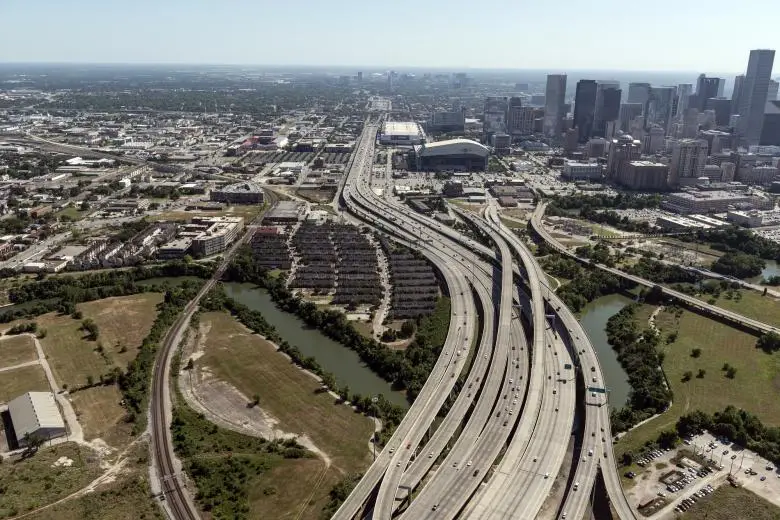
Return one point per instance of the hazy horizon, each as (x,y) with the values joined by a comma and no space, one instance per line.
(449,35)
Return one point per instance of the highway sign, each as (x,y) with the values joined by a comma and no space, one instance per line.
(597,389)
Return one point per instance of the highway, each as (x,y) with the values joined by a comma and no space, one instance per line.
(543,429)
(734,317)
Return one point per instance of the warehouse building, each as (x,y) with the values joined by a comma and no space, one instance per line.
(283,212)
(36,414)
(453,154)
(401,133)
(239,193)
(717,201)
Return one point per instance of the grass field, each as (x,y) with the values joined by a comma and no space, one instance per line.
(101,415)
(729,503)
(72,213)
(128,498)
(31,483)
(255,367)
(20,380)
(123,322)
(753,305)
(297,487)
(754,388)
(15,350)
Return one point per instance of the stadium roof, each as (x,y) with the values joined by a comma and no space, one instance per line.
(452,147)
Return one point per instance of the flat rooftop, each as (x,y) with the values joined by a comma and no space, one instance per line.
(401,128)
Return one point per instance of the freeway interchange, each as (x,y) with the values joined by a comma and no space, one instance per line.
(513,360)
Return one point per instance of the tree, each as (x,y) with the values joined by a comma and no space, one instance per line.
(190,364)
(668,439)
(740,265)
(91,328)
(701,373)
(696,352)
(769,342)
(407,329)
(33,442)
(687,376)
(731,372)
(726,366)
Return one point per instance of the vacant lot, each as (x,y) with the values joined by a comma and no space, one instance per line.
(20,380)
(754,387)
(16,349)
(126,499)
(34,482)
(253,365)
(123,322)
(248,212)
(728,503)
(298,487)
(101,415)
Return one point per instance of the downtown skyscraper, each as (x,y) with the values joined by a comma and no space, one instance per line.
(554,104)
(585,108)
(754,95)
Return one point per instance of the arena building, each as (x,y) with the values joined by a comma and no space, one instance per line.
(453,154)
(401,133)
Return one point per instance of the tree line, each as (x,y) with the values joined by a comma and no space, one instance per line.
(641,359)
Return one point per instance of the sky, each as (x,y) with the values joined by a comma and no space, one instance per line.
(554,35)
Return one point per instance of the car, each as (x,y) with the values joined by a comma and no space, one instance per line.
(547,475)
(468,463)
(536,457)
(555,391)
(455,464)
(430,455)
(392,450)
(576,486)
(476,472)
(435,507)
(763,478)
(398,464)
(590,452)
(409,445)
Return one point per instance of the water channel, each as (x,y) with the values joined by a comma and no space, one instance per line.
(349,369)
(594,320)
(334,357)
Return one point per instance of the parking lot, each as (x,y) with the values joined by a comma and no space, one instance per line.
(669,482)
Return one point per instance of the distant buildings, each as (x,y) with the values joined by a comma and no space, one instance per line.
(622,150)
(213,235)
(577,170)
(454,121)
(638,93)
(555,100)
(521,120)
(754,95)
(660,106)
(716,201)
(770,129)
(607,108)
(643,175)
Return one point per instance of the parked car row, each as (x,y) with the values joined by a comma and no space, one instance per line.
(648,457)
(691,500)
(692,476)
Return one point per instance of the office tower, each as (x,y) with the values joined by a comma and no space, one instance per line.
(706,88)
(653,141)
(520,119)
(643,175)
(736,95)
(728,169)
(722,108)
(772,91)
(622,150)
(684,93)
(554,100)
(689,156)
(628,111)
(770,131)
(494,117)
(607,110)
(755,91)
(521,87)
(584,108)
(721,86)
(570,140)
(360,76)
(638,93)
(658,109)
(460,80)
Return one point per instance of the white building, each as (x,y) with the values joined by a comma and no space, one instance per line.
(401,133)
(36,414)
(582,170)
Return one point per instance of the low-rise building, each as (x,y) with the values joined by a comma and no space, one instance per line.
(239,193)
(577,170)
(218,234)
(283,212)
(745,218)
(36,414)
(717,201)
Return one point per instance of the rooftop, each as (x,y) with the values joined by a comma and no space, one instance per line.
(400,128)
(241,187)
